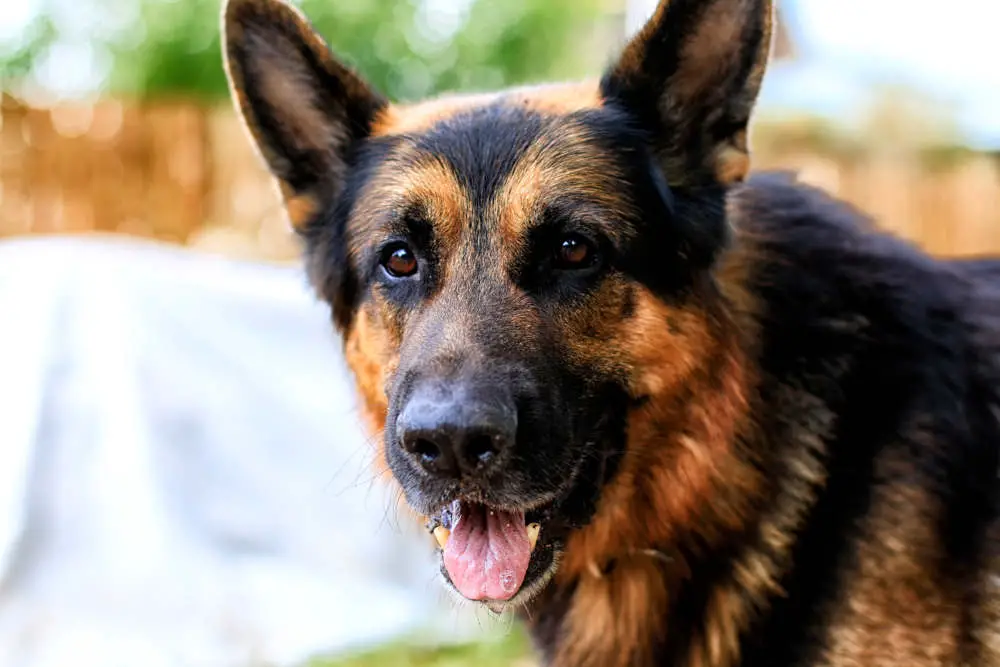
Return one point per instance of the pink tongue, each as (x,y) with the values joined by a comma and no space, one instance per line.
(488,552)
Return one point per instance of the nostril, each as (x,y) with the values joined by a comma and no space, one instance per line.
(422,448)
(480,449)
(426,450)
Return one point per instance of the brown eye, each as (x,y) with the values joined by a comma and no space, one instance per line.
(574,252)
(399,261)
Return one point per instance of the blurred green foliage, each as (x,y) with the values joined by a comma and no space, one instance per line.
(406,48)
(17,61)
(512,650)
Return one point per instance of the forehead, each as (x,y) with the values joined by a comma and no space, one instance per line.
(553,99)
(500,160)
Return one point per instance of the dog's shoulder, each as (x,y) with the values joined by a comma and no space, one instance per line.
(818,251)
(902,348)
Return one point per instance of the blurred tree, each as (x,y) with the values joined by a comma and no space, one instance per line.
(20,56)
(407,48)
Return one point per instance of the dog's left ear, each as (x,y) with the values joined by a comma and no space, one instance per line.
(305,109)
(690,78)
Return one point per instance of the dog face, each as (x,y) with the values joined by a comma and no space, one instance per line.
(527,281)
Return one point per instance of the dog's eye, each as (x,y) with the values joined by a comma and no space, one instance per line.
(399,261)
(574,251)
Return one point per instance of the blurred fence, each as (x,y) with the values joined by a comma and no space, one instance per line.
(949,208)
(187,174)
(173,172)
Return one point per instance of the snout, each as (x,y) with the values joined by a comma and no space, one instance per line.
(484,451)
(457,429)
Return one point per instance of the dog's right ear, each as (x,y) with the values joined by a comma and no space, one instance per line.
(690,77)
(303,107)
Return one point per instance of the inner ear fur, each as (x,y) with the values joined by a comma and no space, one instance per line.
(303,107)
(690,78)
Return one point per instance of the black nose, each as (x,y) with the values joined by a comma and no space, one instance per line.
(456,430)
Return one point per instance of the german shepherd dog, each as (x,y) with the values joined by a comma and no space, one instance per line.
(670,413)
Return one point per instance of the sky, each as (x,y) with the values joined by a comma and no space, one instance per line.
(951,54)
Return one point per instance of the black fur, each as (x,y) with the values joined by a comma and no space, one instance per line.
(902,348)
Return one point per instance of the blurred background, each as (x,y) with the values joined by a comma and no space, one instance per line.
(115,126)
(115,116)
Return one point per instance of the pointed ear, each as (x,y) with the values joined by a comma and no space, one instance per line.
(690,78)
(304,109)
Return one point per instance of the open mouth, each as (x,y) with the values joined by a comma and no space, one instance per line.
(486,552)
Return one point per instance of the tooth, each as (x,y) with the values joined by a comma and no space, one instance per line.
(533,530)
(441,534)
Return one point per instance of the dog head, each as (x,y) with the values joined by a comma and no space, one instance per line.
(527,282)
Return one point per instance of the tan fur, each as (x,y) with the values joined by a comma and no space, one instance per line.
(368,353)
(557,99)
(732,164)
(895,608)
(430,186)
(680,451)
(543,174)
(553,99)
(614,615)
(680,440)
(299,208)
(985,616)
(665,478)
(421,116)
(736,600)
